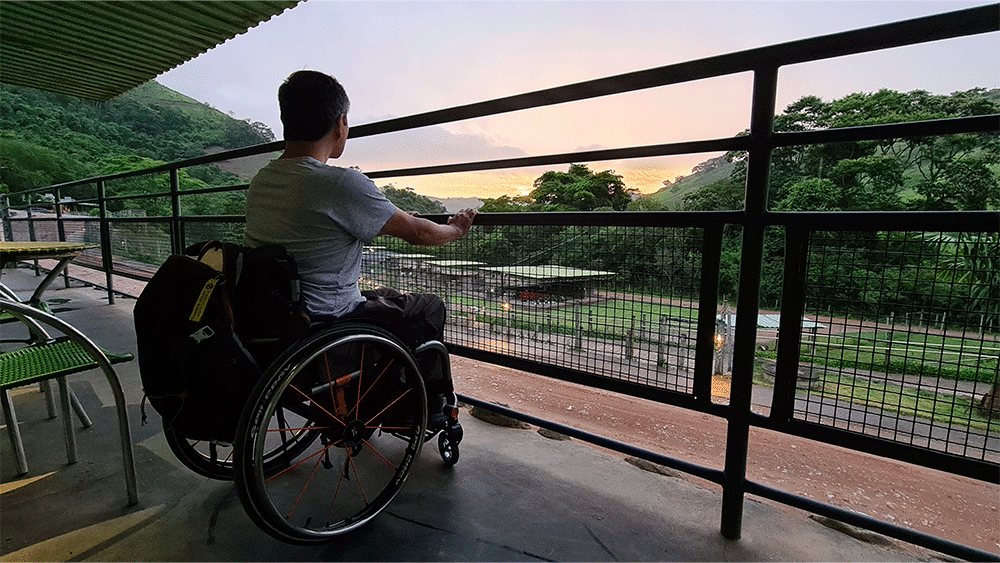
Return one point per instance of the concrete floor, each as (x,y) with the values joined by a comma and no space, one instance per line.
(513,496)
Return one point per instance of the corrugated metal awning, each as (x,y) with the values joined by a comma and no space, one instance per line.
(99,50)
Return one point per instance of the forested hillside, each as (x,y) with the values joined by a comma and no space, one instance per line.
(47,138)
(955,172)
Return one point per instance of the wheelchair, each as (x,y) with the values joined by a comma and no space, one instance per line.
(331,430)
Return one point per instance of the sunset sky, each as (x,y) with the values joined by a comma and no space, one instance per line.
(400,58)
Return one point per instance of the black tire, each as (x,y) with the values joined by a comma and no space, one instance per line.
(448,447)
(360,390)
(208,459)
(215,459)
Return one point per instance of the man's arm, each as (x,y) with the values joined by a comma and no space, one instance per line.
(421,232)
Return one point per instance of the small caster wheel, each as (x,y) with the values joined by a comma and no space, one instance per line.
(448,446)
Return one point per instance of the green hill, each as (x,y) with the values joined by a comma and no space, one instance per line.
(704,174)
(48,138)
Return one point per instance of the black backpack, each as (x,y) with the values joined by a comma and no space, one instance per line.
(204,336)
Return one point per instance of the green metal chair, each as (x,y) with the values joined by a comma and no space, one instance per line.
(47,358)
(46,385)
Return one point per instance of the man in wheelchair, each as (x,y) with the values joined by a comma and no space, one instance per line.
(324,215)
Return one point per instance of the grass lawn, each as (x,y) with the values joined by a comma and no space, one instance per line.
(948,409)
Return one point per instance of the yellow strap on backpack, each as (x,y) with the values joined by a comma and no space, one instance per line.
(202,302)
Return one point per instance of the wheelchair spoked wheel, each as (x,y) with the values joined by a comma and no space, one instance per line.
(214,459)
(206,458)
(360,390)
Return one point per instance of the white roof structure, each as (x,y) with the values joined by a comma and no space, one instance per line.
(774,321)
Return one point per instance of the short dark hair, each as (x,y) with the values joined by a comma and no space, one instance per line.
(311,104)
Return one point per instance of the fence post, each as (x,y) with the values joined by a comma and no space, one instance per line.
(549,328)
(60,230)
(659,340)
(6,232)
(31,233)
(107,260)
(642,330)
(630,339)
(176,232)
(765,85)
(578,322)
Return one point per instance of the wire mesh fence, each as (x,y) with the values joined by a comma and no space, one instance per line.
(908,346)
(612,301)
(903,340)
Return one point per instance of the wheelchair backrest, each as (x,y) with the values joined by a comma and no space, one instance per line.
(263,286)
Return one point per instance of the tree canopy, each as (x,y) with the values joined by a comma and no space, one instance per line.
(409,200)
(578,189)
(954,172)
(48,138)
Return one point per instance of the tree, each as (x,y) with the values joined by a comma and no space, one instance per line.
(975,263)
(408,200)
(25,165)
(579,189)
(962,183)
(724,195)
(159,205)
(811,194)
(507,204)
(870,183)
(946,172)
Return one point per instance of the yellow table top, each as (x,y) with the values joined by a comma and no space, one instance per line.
(27,250)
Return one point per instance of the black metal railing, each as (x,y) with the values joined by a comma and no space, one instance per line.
(629,301)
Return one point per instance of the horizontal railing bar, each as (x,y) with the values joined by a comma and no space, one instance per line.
(688,147)
(212,218)
(209,190)
(911,129)
(944,221)
(657,394)
(613,218)
(206,159)
(147,219)
(940,221)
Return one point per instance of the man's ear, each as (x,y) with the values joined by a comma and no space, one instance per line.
(341,128)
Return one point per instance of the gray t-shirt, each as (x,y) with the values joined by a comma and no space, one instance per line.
(323,215)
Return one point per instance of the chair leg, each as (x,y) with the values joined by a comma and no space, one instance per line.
(78,409)
(50,399)
(14,432)
(50,403)
(67,421)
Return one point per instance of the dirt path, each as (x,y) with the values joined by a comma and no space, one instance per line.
(951,507)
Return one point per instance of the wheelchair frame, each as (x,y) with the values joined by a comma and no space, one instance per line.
(329,433)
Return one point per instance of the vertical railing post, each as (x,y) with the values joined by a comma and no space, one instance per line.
(31,233)
(711,254)
(176,235)
(60,228)
(107,260)
(751,256)
(6,231)
(793,301)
